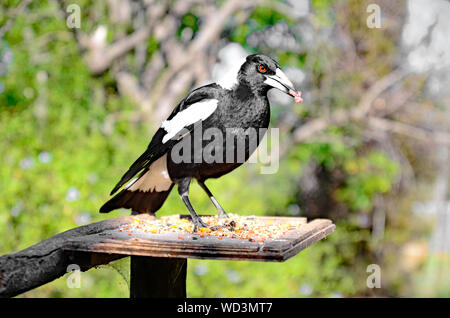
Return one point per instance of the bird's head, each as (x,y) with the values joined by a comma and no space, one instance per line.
(261,72)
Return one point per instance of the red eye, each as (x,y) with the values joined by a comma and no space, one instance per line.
(262,68)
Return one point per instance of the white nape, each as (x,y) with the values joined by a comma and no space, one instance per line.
(230,59)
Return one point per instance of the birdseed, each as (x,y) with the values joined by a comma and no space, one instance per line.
(249,228)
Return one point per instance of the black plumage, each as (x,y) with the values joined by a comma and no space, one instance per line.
(208,108)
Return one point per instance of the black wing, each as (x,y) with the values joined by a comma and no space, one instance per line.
(157,148)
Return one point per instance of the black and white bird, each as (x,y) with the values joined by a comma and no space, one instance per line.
(230,111)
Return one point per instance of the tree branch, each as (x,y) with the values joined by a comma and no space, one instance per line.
(419,133)
(100,59)
(211,30)
(361,113)
(375,90)
(8,24)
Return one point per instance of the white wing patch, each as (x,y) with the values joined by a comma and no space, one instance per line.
(192,114)
(155,179)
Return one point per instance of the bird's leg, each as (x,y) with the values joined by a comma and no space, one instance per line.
(222,213)
(183,191)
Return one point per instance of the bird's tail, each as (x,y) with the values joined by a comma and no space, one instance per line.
(138,201)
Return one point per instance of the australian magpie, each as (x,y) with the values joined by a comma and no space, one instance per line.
(228,111)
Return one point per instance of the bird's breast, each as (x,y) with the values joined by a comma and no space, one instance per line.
(237,113)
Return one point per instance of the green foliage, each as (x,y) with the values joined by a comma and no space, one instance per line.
(324,13)
(367,176)
(60,160)
(189,20)
(261,18)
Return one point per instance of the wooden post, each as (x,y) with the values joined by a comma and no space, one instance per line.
(157,277)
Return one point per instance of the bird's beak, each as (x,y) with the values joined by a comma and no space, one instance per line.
(280,81)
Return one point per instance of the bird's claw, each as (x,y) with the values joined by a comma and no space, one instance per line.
(198,223)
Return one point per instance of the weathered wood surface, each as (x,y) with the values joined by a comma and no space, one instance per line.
(48,260)
(101,242)
(209,247)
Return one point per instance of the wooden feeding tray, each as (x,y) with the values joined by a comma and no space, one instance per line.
(176,244)
(158,257)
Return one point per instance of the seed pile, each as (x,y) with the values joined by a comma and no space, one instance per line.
(242,227)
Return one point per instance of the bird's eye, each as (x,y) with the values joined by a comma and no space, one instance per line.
(262,68)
